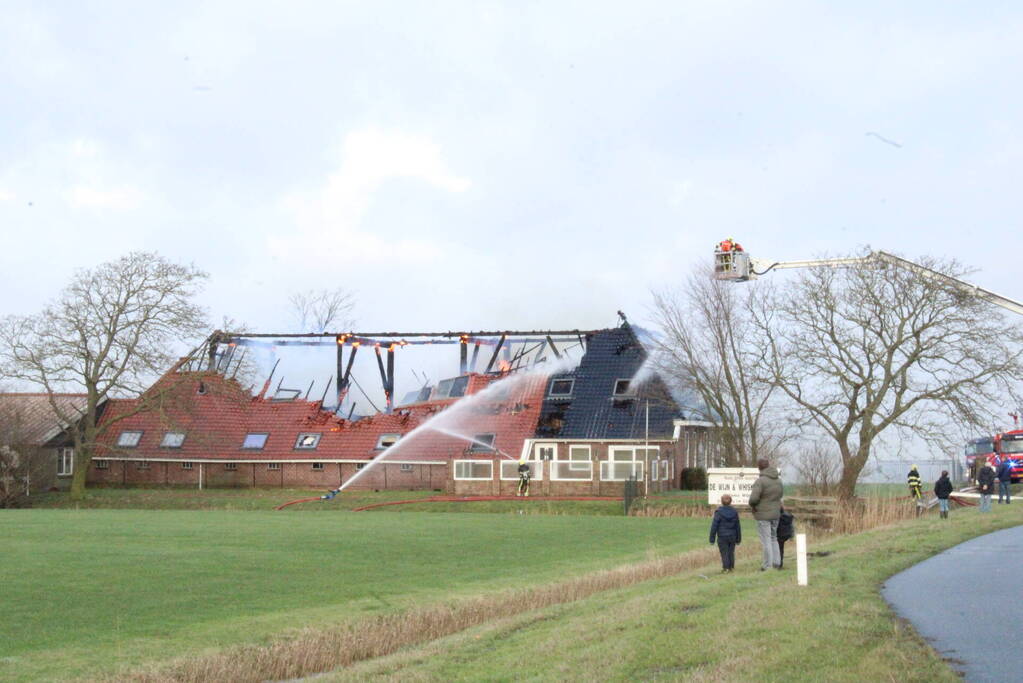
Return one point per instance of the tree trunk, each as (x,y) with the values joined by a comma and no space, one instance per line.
(851,468)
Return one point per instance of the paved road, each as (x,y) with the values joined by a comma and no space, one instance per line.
(966,603)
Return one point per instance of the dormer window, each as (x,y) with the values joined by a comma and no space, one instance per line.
(561,388)
(386,441)
(307,442)
(172,440)
(129,439)
(255,441)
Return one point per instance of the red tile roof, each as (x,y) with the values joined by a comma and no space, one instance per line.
(217,419)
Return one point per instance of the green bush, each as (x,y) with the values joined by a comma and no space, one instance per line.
(694,479)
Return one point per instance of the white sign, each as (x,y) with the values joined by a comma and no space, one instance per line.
(735,481)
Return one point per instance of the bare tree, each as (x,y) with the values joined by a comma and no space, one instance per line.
(819,467)
(110,332)
(711,351)
(316,310)
(873,348)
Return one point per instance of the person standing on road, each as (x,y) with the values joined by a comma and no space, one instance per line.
(1004,479)
(986,486)
(942,490)
(765,501)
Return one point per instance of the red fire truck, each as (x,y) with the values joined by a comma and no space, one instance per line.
(1009,445)
(1002,446)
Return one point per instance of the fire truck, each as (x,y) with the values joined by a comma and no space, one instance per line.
(1009,446)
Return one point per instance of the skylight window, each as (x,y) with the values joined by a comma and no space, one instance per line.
(173,440)
(482,443)
(129,439)
(561,388)
(621,387)
(386,441)
(308,441)
(255,440)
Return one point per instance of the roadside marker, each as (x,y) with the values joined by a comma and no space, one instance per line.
(801,559)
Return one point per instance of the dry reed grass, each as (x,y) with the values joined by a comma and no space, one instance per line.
(863,514)
(671,511)
(317,650)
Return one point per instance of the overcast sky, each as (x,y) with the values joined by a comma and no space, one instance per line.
(481,164)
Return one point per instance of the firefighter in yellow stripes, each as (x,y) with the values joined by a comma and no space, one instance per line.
(913,479)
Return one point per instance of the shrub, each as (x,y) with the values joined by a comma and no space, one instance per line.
(694,479)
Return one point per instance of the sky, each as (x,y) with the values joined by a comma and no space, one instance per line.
(482,165)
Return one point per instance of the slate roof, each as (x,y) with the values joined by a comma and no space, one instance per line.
(36,422)
(593,411)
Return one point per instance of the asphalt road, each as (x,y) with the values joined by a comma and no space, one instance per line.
(966,603)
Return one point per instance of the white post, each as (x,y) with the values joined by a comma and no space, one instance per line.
(200,476)
(801,559)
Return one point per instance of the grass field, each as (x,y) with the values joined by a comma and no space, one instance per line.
(85,590)
(701,626)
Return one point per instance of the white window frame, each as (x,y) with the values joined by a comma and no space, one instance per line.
(129,443)
(142,464)
(316,441)
(380,441)
(621,394)
(406,467)
(318,467)
(471,462)
(589,457)
(186,465)
(100,465)
(273,466)
(638,463)
(535,469)
(567,394)
(168,435)
(230,466)
(65,461)
(542,445)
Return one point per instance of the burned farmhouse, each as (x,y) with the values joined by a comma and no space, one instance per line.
(584,425)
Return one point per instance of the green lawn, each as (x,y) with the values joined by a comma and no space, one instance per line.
(84,590)
(702,626)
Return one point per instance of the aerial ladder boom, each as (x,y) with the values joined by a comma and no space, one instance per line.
(736,265)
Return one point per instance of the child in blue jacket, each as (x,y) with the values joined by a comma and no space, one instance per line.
(725,528)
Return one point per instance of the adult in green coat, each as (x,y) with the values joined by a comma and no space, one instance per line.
(765,502)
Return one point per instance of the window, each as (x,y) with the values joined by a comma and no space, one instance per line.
(621,387)
(255,440)
(129,439)
(561,388)
(186,465)
(102,464)
(65,462)
(142,465)
(386,441)
(308,441)
(482,443)
(576,467)
(273,466)
(625,462)
(172,440)
(452,388)
(360,466)
(405,467)
(230,466)
(474,470)
(545,451)
(317,467)
(510,470)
